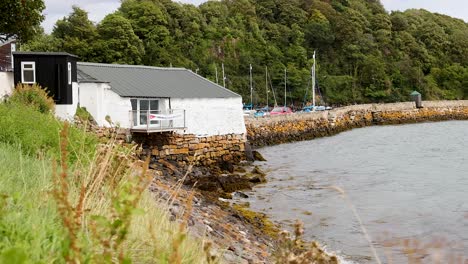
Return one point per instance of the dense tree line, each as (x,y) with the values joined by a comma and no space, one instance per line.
(364,54)
(20,19)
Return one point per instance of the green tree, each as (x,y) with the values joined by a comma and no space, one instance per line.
(117,41)
(364,54)
(20,18)
(76,33)
(144,16)
(42,42)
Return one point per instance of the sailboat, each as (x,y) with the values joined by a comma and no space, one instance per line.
(249,107)
(268,86)
(282,110)
(313,106)
(265,111)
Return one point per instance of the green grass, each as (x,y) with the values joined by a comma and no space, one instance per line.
(30,226)
(32,229)
(36,132)
(83,114)
(29,223)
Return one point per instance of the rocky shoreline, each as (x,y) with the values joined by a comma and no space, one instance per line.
(235,239)
(238,234)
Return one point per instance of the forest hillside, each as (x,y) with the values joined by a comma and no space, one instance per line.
(364,53)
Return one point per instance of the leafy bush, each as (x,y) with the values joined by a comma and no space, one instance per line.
(36,132)
(83,114)
(34,96)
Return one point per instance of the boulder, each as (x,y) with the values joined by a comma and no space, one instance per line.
(257,156)
(248,152)
(227,166)
(231,183)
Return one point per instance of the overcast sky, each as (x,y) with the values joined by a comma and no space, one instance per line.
(57,9)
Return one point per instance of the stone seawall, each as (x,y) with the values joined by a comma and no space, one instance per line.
(306,126)
(176,148)
(190,149)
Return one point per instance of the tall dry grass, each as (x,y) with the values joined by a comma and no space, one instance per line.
(66,198)
(110,215)
(93,208)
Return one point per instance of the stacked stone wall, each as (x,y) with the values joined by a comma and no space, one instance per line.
(183,149)
(306,126)
(190,149)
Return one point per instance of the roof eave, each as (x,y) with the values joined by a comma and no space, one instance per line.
(44,53)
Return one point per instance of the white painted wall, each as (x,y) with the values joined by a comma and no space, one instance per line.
(116,107)
(204,117)
(100,101)
(67,111)
(90,97)
(212,116)
(6,84)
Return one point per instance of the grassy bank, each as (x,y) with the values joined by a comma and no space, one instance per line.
(29,222)
(64,197)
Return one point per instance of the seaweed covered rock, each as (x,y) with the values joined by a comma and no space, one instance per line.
(257,156)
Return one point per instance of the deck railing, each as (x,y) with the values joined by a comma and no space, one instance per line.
(157,121)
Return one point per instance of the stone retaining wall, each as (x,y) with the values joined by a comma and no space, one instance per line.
(306,126)
(182,149)
(190,149)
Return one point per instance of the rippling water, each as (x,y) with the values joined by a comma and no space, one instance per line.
(407,182)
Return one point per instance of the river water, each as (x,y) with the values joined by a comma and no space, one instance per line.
(408,184)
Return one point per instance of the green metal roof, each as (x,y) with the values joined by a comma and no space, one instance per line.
(415,93)
(147,81)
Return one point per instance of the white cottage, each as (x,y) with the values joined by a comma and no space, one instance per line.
(173,113)
(153,99)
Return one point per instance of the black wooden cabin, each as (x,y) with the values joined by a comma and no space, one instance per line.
(54,71)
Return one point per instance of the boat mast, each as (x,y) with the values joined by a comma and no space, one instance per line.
(266,85)
(224,76)
(251,89)
(313,82)
(272,89)
(285,83)
(216,70)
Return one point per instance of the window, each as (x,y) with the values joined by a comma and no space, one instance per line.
(69,73)
(142,108)
(28,72)
(12,49)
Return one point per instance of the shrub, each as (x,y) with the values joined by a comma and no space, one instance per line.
(34,96)
(294,250)
(35,132)
(83,115)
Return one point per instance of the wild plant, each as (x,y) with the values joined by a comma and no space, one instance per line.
(33,95)
(69,199)
(68,213)
(293,250)
(101,202)
(101,199)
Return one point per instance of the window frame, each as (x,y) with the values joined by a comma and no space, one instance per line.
(33,69)
(69,72)
(137,113)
